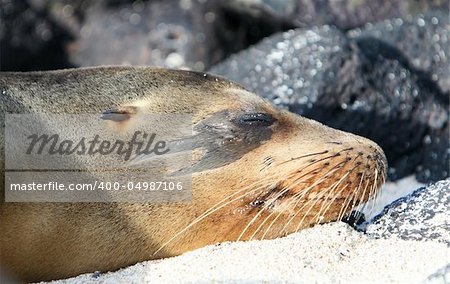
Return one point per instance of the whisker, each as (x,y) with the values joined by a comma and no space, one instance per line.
(294,184)
(303,193)
(339,193)
(263,222)
(213,209)
(333,187)
(330,190)
(264,208)
(304,156)
(374,189)
(364,195)
(353,197)
(314,202)
(298,180)
(318,153)
(296,197)
(334,169)
(342,211)
(332,201)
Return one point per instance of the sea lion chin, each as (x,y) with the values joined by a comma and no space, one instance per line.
(259,172)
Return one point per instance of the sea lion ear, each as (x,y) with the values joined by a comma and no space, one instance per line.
(119,114)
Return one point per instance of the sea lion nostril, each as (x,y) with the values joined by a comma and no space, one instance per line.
(379,156)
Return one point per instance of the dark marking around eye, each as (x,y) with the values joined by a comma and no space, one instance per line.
(255,120)
(223,139)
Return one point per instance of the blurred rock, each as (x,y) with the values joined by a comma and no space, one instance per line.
(423,40)
(344,14)
(288,68)
(377,94)
(359,84)
(154,33)
(30,39)
(423,215)
(193,34)
(174,34)
(406,62)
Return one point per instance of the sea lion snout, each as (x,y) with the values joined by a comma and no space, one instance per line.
(314,174)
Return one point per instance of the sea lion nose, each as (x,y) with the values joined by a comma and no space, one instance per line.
(380,159)
(373,153)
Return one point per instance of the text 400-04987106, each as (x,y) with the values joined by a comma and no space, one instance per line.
(150,186)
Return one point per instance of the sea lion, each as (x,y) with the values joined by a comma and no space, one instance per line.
(272,173)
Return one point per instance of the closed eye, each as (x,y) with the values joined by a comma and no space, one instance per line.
(255,120)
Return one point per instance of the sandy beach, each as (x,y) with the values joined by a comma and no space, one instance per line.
(330,253)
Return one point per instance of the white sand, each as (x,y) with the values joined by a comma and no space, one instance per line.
(331,253)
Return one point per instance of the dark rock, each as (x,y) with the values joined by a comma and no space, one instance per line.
(193,34)
(423,40)
(175,33)
(161,33)
(378,94)
(288,68)
(422,215)
(361,85)
(344,14)
(355,219)
(96,274)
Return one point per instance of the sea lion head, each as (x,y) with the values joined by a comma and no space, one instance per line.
(259,171)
